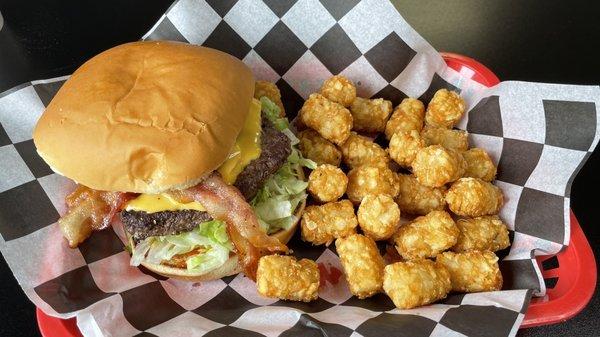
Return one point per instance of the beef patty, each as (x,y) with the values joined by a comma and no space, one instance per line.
(275,149)
(141,225)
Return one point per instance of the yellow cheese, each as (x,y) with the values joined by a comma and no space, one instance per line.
(246,148)
(151,203)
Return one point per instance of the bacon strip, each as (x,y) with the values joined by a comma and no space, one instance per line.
(89,210)
(225,202)
(248,255)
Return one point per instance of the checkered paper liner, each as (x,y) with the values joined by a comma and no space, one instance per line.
(539,134)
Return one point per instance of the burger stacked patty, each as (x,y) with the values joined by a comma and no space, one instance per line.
(275,149)
(141,225)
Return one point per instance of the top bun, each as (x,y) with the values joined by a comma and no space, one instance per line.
(146,117)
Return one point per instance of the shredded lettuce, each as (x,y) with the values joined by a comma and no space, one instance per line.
(273,114)
(209,260)
(296,158)
(276,202)
(211,235)
(293,139)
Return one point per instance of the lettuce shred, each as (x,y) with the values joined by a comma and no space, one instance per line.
(276,202)
(210,235)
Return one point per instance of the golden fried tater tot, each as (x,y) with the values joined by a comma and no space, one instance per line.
(362,263)
(407,116)
(451,139)
(479,164)
(285,278)
(472,271)
(415,198)
(378,216)
(414,283)
(339,89)
(435,166)
(370,115)
(331,120)
(482,233)
(358,150)
(426,236)
(270,91)
(318,149)
(322,224)
(473,197)
(445,109)
(368,179)
(327,183)
(404,146)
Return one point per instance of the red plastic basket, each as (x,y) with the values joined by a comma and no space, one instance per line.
(570,275)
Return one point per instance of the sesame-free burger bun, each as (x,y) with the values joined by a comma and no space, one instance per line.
(146,117)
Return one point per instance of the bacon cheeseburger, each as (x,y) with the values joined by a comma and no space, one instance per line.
(167,138)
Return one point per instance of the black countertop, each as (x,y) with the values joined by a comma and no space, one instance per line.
(545,41)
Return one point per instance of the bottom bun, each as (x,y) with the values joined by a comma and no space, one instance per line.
(231,266)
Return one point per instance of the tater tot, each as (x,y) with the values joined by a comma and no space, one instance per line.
(407,116)
(451,139)
(362,264)
(285,278)
(318,149)
(414,283)
(322,224)
(378,216)
(426,236)
(367,179)
(370,115)
(327,183)
(479,164)
(339,89)
(482,233)
(358,150)
(472,271)
(435,166)
(445,109)
(269,90)
(331,120)
(473,197)
(415,198)
(404,146)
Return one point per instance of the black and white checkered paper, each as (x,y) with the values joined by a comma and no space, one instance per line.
(539,134)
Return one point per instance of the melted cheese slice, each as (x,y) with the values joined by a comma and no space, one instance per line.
(247,146)
(152,203)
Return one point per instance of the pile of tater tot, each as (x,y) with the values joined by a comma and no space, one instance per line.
(360,189)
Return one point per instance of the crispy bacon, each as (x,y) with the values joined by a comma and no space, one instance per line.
(248,255)
(226,203)
(89,210)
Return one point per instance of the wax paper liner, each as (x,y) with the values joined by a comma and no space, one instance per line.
(539,134)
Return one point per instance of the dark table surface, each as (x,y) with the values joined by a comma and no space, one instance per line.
(545,41)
